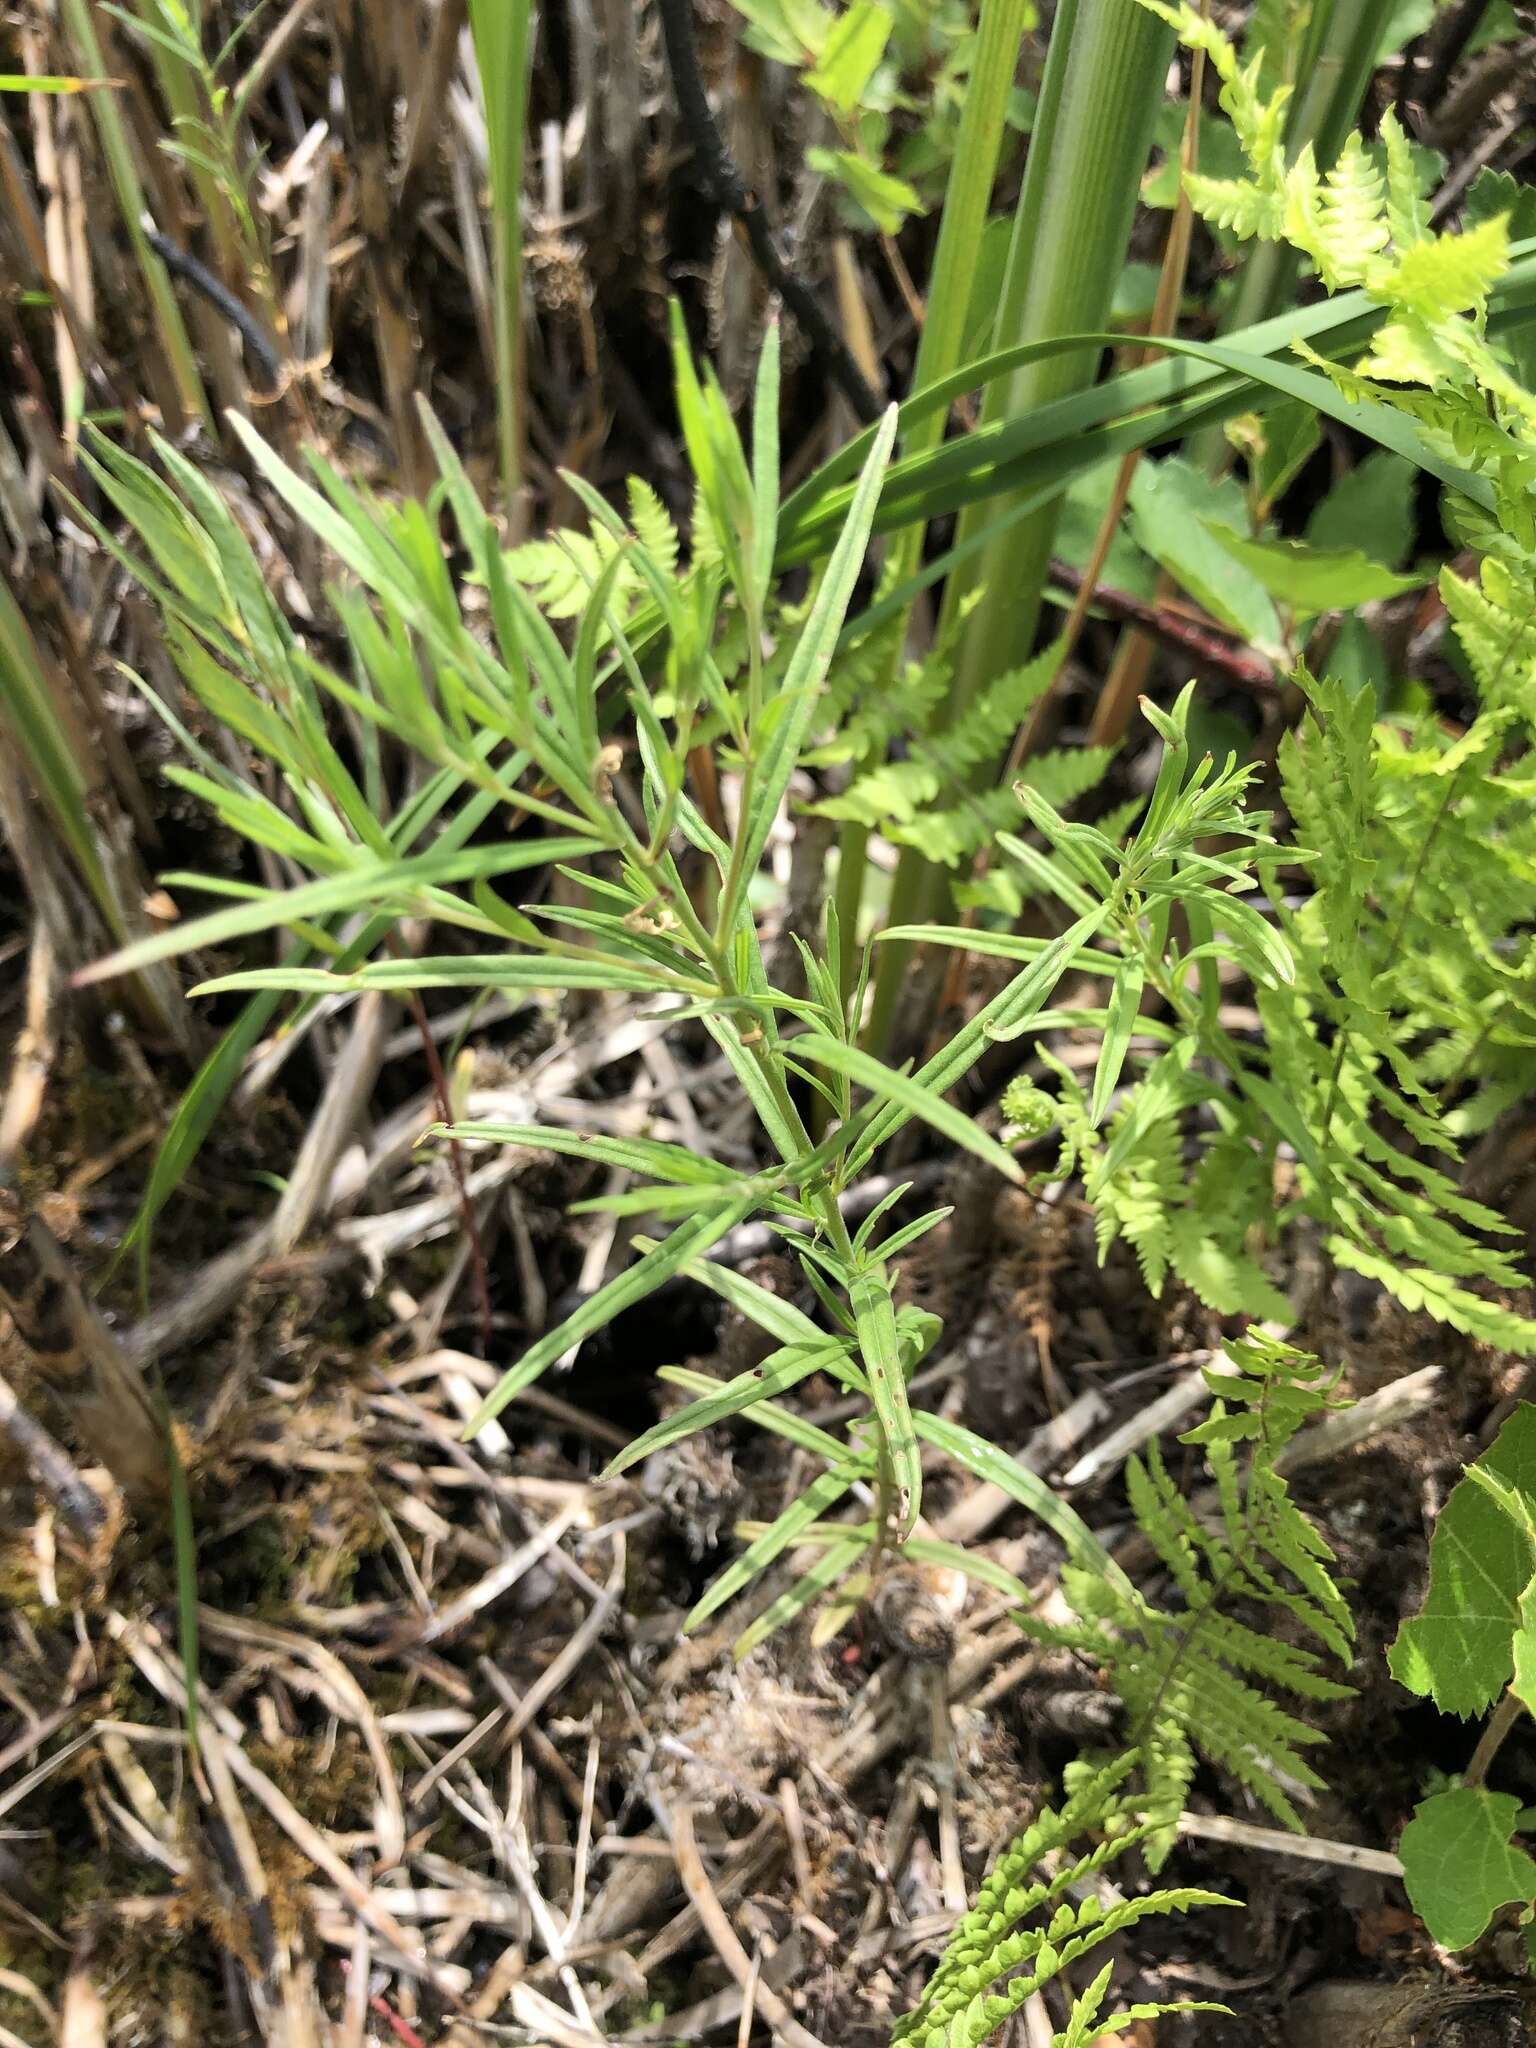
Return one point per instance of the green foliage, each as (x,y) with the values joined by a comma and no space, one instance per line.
(1369,993)
(1037,1914)
(1475,1642)
(936,798)
(892,77)
(1460,1651)
(1460,1864)
(512,769)
(1196,1681)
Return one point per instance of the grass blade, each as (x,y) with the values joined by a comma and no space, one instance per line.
(500,32)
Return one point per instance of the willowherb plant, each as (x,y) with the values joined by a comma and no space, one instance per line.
(520,768)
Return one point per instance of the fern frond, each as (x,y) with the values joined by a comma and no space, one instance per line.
(1195,1679)
(1026,1928)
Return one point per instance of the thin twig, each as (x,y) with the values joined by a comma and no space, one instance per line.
(186,266)
(726,186)
(50,1466)
(1491,1741)
(717,1925)
(1241,1834)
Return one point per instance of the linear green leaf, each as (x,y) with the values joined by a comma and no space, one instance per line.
(633,1155)
(906,1095)
(819,1496)
(461,970)
(359,887)
(833,1564)
(806,672)
(769,1415)
(995,1466)
(658,1264)
(874,1314)
(779,1371)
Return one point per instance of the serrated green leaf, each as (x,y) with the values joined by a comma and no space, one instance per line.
(850,55)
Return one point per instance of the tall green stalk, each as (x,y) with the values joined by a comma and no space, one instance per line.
(1093,132)
(500,31)
(967,197)
(1101,93)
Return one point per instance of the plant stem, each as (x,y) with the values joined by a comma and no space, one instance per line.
(500,32)
(1489,1743)
(184,381)
(999,32)
(729,190)
(1093,132)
